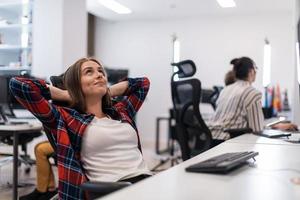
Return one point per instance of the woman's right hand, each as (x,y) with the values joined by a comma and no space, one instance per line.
(285,127)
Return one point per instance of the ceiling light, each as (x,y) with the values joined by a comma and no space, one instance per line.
(115,6)
(226,3)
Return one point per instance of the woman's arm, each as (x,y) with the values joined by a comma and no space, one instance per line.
(33,94)
(135,93)
(118,89)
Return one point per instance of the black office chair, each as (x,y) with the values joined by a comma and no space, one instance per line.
(208,96)
(94,189)
(57,81)
(24,139)
(192,133)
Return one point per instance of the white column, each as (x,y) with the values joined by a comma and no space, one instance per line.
(74,31)
(59,35)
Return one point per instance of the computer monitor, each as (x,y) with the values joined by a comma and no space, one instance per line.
(4,100)
(7,100)
(3,89)
(206,95)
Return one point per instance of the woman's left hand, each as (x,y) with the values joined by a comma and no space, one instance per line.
(285,127)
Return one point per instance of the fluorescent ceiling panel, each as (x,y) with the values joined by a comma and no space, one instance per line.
(115,6)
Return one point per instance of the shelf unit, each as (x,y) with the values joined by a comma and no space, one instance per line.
(15,36)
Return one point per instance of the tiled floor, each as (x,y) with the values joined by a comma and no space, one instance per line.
(6,180)
(6,170)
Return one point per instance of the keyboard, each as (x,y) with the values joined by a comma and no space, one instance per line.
(16,122)
(222,163)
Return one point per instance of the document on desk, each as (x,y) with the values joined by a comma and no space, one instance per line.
(272,122)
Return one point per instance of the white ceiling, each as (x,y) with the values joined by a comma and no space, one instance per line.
(170,9)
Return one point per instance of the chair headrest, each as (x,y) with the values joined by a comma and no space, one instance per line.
(58,81)
(186,68)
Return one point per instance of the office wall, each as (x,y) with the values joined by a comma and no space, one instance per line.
(59,35)
(145,47)
(47,37)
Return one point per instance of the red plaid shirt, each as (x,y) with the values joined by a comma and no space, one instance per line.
(67,125)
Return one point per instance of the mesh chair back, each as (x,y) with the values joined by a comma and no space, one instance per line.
(186,68)
(58,82)
(193,135)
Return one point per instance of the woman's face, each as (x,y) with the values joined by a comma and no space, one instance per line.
(93,79)
(252,75)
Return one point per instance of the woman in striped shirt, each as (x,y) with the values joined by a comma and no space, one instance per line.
(239,104)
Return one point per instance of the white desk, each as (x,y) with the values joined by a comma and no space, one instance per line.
(269,178)
(15,131)
(254,139)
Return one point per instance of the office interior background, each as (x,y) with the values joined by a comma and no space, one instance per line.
(142,42)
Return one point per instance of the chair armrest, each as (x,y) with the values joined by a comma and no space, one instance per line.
(238,131)
(103,188)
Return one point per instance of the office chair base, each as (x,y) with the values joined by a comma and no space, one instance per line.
(55,197)
(174,160)
(22,158)
(9,158)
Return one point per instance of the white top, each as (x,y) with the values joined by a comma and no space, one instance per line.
(110,151)
(239,106)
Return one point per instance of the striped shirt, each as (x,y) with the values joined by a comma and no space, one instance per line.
(238,106)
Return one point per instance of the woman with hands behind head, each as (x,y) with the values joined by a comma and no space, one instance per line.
(96,138)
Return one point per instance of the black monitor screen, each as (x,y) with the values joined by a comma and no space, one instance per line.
(6,98)
(206,95)
(4,90)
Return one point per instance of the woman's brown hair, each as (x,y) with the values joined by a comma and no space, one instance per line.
(72,82)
